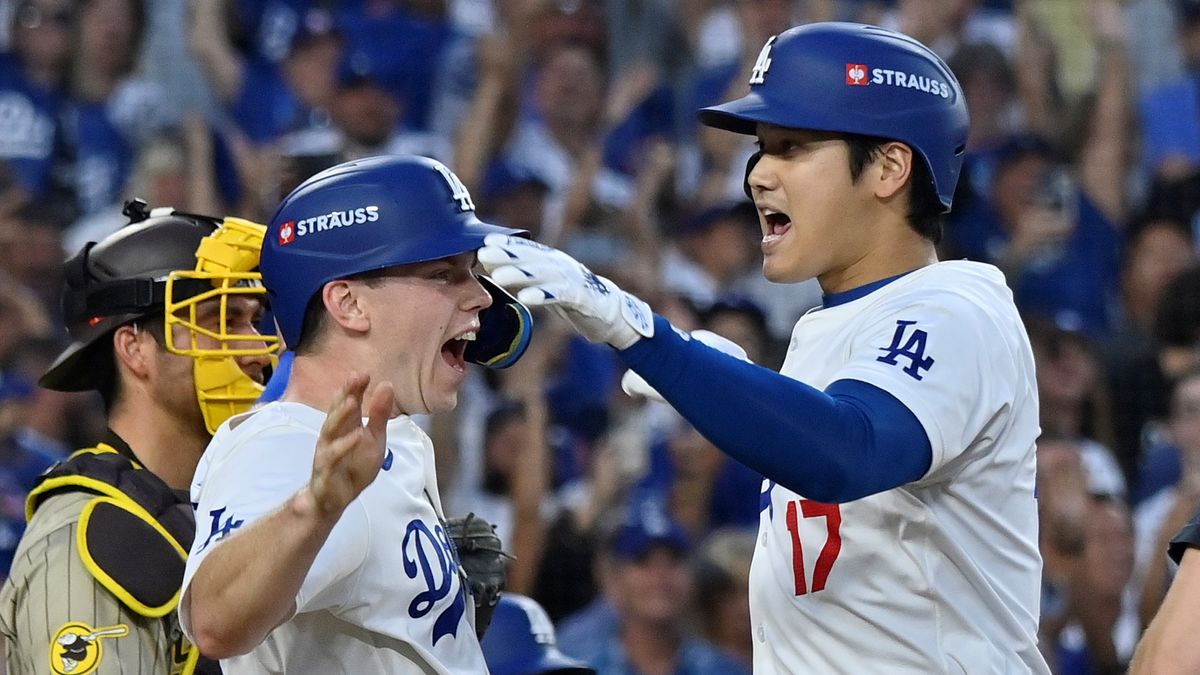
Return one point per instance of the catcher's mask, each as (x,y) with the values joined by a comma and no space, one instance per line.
(167,263)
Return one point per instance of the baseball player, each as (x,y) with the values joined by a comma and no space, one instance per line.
(162,316)
(898,528)
(325,549)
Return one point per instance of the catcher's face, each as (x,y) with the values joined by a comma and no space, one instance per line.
(174,384)
(422,317)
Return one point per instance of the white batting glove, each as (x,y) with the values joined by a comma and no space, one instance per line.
(635,386)
(543,276)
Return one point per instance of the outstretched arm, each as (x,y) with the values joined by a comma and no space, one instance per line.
(247,585)
(849,441)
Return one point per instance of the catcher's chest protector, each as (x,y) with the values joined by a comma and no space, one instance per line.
(133,537)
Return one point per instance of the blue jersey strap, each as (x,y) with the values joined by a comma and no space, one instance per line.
(847,442)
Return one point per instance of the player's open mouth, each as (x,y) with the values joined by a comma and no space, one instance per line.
(454,349)
(777,223)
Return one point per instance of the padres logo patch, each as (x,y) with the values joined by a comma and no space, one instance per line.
(77,649)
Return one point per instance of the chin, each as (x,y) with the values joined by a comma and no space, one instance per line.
(444,403)
(778,272)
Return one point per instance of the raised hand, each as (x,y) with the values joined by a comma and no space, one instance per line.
(539,275)
(349,453)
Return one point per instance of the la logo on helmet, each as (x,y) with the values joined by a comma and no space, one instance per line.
(763,63)
(458,191)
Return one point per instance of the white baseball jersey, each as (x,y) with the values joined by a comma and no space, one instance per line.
(384,594)
(941,575)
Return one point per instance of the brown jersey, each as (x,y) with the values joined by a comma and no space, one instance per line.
(83,595)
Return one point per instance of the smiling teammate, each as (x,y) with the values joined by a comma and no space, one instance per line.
(898,528)
(322,546)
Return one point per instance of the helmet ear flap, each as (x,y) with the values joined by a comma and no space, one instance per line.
(505,329)
(750,164)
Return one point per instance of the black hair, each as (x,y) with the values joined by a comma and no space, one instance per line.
(1177,323)
(924,206)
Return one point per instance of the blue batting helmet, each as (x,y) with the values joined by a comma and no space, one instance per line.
(858,79)
(370,214)
(520,641)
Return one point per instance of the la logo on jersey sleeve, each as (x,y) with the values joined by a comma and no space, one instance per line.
(908,342)
(77,647)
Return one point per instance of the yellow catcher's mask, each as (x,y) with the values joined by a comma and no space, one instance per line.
(228,260)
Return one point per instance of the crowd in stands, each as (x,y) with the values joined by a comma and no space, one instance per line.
(574,119)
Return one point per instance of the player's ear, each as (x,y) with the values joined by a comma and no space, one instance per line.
(343,302)
(892,167)
(133,349)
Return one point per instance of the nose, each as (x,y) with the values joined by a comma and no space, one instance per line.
(253,365)
(477,297)
(760,174)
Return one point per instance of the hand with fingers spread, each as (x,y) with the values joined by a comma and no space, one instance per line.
(349,453)
(596,307)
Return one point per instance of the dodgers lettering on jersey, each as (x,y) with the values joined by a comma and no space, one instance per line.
(439,572)
(385,594)
(941,575)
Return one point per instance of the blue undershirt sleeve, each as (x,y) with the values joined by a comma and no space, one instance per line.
(847,442)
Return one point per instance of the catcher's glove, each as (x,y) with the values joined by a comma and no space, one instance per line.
(482,558)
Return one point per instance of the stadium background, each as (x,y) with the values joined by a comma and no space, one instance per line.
(574,119)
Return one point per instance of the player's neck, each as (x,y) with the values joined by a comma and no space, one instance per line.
(167,445)
(315,378)
(880,260)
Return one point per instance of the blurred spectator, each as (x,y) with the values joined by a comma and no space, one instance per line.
(561,142)
(1105,629)
(1059,252)
(1050,216)
(21,463)
(719,169)
(268,99)
(33,81)
(1089,622)
(405,40)
(112,113)
(1158,248)
(649,584)
(367,114)
(1171,111)
(520,641)
(946,26)
(1074,402)
(56,421)
(1177,332)
(179,167)
(1162,514)
(514,197)
(1177,326)
(722,591)
(741,320)
(31,249)
(277,108)
(713,250)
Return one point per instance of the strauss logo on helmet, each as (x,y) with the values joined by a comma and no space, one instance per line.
(856,74)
